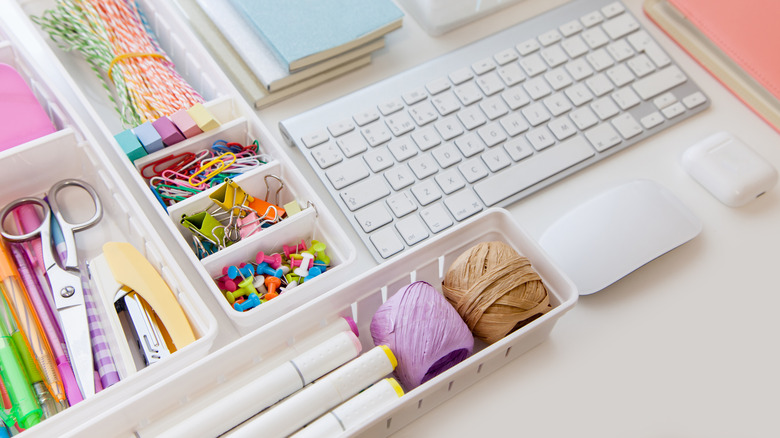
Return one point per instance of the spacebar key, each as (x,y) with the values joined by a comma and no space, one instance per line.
(365,192)
(533,170)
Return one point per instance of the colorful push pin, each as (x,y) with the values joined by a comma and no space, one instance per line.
(303,269)
(259,284)
(251,302)
(313,272)
(244,270)
(273,260)
(285,270)
(292,278)
(246,287)
(271,284)
(297,262)
(294,248)
(290,285)
(318,249)
(233,296)
(226,283)
(264,269)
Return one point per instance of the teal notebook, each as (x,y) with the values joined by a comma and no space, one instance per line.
(305,32)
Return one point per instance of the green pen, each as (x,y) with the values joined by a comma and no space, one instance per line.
(25,409)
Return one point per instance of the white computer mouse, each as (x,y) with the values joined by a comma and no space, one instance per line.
(616,232)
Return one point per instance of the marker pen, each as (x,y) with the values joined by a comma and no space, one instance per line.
(353,411)
(260,393)
(321,396)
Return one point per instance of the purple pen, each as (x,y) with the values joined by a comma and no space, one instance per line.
(104,362)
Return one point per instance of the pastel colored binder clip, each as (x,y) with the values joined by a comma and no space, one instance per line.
(203,118)
(266,210)
(169,133)
(185,123)
(130,145)
(149,137)
(230,194)
(22,118)
(205,225)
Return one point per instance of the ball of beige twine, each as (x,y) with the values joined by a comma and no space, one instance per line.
(495,290)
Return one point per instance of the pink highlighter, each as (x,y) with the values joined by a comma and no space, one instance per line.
(22,118)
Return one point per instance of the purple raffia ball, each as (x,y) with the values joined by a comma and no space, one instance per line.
(424,332)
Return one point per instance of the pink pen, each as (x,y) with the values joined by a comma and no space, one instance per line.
(26,222)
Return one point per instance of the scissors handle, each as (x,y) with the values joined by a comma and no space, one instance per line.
(24,237)
(67,228)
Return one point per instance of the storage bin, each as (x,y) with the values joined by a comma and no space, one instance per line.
(238,123)
(222,373)
(31,168)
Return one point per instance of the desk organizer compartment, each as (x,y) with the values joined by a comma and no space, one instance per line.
(189,391)
(30,170)
(237,122)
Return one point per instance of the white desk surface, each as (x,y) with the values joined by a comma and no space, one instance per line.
(685,346)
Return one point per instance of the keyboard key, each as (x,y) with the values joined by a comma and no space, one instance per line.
(341,127)
(659,82)
(463,204)
(584,118)
(364,192)
(527,47)
(603,137)
(505,56)
(626,98)
(426,192)
(620,50)
(496,159)
(558,78)
(483,66)
(373,217)
(366,117)
(412,230)
(446,103)
(315,138)
(468,93)
(390,106)
(426,138)
(613,9)
(473,170)
(540,138)
(436,86)
(554,56)
(401,204)
(557,104)
(549,37)
(652,120)
(533,65)
(591,19)
(515,97)
(436,218)
(627,125)
(446,155)
(399,177)
(386,242)
(378,159)
(536,114)
(579,94)
(673,110)
(491,134)
(470,145)
(414,96)
(471,117)
(490,83)
(579,69)
(352,144)
(599,59)
(493,107)
(511,74)
(595,37)
(376,133)
(532,170)
(664,100)
(574,46)
(641,65)
(518,148)
(604,108)
(514,124)
(599,84)
(449,128)
(402,149)
(449,181)
(562,128)
(423,166)
(326,155)
(620,26)
(570,28)
(620,75)
(693,100)
(461,76)
(537,88)
(346,173)
(423,113)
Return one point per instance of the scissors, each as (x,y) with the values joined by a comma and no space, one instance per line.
(65,280)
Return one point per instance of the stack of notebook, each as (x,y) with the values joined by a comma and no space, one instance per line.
(274,49)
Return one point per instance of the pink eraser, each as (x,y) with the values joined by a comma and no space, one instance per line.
(185,123)
(168,131)
(22,118)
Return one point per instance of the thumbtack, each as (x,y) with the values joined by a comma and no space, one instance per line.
(251,302)
(259,284)
(297,262)
(272,283)
(313,272)
(244,270)
(246,287)
(318,249)
(264,269)
(291,285)
(303,269)
(294,248)
(226,283)
(273,260)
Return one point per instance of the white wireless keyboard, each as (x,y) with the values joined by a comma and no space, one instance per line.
(492,122)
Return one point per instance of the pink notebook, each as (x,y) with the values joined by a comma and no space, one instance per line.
(738,41)
(22,118)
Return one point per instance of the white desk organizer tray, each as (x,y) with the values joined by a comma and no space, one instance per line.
(238,123)
(194,389)
(30,169)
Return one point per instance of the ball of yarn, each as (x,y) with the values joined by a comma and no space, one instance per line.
(424,332)
(495,290)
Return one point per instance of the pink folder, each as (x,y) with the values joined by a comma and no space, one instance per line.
(738,41)
(22,118)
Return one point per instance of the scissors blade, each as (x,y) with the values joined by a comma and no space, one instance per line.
(69,299)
